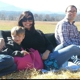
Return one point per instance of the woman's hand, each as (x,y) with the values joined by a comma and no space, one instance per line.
(2,43)
(45,54)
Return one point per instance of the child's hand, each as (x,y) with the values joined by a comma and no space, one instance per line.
(25,52)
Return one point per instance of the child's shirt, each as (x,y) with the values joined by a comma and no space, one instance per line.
(12,48)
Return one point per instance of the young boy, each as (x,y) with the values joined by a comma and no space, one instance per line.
(13,47)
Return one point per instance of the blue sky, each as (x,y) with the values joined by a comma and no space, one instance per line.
(44,5)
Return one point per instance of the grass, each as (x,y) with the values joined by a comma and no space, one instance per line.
(46,27)
(33,74)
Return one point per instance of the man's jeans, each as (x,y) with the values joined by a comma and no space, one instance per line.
(62,54)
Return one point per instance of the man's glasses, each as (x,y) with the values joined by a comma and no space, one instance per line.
(71,11)
(27,19)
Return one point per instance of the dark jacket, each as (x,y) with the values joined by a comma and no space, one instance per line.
(33,39)
(12,48)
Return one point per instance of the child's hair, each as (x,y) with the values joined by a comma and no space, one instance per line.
(17,30)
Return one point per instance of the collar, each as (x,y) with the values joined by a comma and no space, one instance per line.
(65,19)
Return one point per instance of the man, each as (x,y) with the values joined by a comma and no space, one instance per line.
(66,32)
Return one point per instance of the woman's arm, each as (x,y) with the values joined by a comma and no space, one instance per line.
(3,38)
(2,43)
(4,34)
(48,43)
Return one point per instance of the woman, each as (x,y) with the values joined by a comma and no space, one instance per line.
(37,40)
(34,38)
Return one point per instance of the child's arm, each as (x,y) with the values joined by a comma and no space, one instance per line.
(8,51)
(19,53)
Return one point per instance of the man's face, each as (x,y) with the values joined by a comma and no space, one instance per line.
(71,13)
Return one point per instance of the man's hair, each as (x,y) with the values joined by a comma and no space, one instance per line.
(18,30)
(71,6)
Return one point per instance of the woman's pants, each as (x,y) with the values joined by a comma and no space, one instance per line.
(61,55)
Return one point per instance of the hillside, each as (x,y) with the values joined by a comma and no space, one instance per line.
(9,7)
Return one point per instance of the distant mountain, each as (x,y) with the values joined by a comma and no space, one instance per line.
(9,7)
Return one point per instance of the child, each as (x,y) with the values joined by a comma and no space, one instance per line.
(13,47)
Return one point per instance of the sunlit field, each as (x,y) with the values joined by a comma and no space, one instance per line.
(46,27)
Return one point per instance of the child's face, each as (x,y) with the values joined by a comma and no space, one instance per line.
(18,38)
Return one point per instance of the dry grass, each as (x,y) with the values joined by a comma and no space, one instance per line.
(33,74)
(46,27)
(7,25)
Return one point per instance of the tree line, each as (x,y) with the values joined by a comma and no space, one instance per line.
(13,15)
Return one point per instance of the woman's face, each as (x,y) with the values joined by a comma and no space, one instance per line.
(27,22)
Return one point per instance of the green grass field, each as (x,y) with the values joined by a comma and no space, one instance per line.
(46,27)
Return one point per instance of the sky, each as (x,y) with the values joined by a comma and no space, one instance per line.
(44,5)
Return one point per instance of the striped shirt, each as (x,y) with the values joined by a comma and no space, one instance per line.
(67,33)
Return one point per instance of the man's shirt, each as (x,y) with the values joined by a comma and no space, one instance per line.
(67,33)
